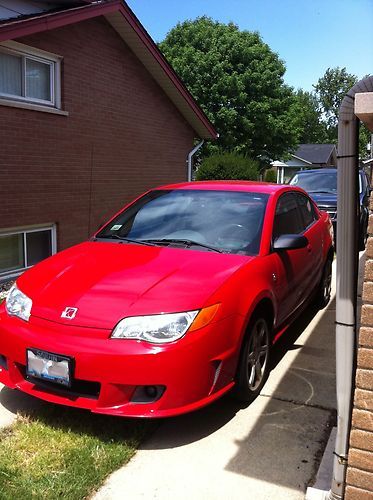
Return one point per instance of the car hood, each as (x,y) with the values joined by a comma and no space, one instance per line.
(324,199)
(107,281)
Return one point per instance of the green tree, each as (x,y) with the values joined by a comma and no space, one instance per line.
(238,81)
(307,120)
(228,166)
(330,91)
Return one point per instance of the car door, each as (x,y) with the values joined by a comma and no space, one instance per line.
(293,267)
(314,235)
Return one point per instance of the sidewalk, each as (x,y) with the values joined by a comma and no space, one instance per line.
(268,450)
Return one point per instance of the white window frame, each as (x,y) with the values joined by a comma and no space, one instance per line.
(54,62)
(24,231)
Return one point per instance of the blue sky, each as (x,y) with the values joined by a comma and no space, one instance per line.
(308,35)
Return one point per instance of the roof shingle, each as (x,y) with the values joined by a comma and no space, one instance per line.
(315,153)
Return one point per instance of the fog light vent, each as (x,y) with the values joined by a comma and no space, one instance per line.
(147,393)
(3,362)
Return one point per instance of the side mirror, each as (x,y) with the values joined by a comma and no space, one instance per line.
(289,242)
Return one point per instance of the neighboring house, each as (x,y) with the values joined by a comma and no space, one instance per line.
(306,156)
(91,116)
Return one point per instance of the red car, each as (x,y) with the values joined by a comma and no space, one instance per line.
(174,302)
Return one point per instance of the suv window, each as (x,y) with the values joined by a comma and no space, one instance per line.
(307,210)
(287,218)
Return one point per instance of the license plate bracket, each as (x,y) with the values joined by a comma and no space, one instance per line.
(49,366)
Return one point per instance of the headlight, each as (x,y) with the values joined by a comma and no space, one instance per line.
(162,328)
(18,304)
(158,328)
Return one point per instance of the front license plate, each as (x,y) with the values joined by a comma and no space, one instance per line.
(48,366)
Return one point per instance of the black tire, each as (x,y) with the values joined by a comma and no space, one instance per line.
(325,286)
(253,367)
(363,237)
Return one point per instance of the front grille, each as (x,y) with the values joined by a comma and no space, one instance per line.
(79,388)
(332,211)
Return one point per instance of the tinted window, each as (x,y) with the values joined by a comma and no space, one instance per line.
(231,221)
(306,210)
(288,218)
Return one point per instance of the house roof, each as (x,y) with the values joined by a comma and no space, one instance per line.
(18,20)
(314,153)
(21,9)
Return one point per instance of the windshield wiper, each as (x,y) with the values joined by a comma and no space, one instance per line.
(186,242)
(130,240)
(323,192)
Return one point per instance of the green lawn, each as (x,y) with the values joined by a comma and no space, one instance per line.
(64,453)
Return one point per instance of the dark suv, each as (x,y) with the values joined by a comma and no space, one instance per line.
(321,185)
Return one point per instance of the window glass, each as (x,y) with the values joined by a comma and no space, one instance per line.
(39,246)
(231,221)
(287,218)
(38,80)
(316,182)
(10,74)
(11,252)
(306,210)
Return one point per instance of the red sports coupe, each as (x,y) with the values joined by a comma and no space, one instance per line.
(174,302)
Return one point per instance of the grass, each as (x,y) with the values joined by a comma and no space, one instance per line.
(64,453)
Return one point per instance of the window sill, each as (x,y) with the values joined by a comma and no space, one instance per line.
(32,107)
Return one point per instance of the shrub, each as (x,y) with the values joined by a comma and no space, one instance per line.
(270,176)
(226,166)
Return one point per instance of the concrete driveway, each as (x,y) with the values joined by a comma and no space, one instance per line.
(270,449)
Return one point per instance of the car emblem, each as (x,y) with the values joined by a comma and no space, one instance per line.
(69,312)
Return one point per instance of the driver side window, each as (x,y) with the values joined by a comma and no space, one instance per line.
(287,218)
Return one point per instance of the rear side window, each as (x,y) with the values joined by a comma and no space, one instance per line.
(307,210)
(288,218)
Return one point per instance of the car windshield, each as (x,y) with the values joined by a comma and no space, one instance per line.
(316,182)
(226,221)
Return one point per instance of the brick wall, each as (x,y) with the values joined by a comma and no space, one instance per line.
(360,458)
(122,136)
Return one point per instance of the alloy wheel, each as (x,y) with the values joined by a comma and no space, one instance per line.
(327,281)
(257,354)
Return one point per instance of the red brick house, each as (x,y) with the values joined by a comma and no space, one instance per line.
(91,114)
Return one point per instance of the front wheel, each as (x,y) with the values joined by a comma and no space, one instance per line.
(254,361)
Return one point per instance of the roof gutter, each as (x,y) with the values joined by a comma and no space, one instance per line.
(347,270)
(190,158)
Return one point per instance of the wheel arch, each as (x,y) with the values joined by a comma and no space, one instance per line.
(264,305)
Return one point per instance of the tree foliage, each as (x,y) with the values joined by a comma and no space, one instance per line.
(228,166)
(330,90)
(307,120)
(238,81)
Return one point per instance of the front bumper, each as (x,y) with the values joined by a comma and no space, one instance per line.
(194,371)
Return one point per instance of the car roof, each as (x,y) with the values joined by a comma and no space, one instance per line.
(250,186)
(320,170)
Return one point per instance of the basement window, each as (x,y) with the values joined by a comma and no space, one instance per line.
(23,248)
(29,75)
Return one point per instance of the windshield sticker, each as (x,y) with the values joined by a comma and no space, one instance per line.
(116,227)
